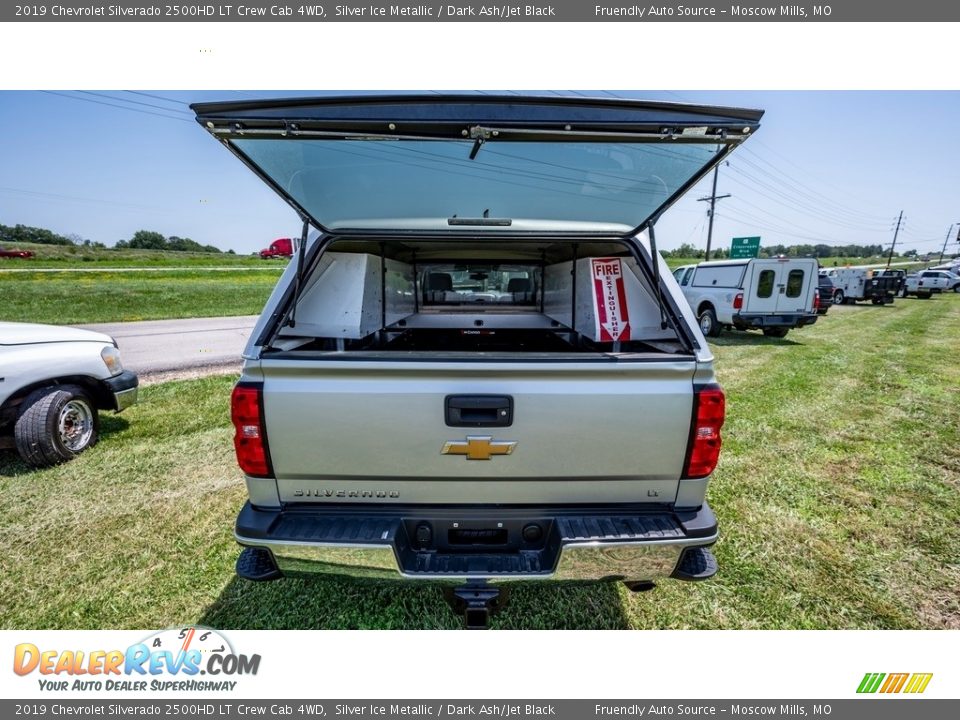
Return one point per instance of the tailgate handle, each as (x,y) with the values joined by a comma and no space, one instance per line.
(479,410)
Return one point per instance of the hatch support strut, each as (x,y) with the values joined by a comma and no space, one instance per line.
(301,251)
(656,276)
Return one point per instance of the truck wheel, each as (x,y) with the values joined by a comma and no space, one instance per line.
(708,323)
(838,297)
(777,332)
(55,425)
(924,296)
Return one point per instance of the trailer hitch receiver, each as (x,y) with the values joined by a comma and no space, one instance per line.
(476,602)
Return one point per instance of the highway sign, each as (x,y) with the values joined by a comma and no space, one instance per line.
(745,247)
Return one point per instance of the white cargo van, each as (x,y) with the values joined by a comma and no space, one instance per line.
(771,295)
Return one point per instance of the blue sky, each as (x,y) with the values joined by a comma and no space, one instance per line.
(831,167)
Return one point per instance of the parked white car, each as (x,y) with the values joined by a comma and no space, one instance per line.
(772,295)
(53,381)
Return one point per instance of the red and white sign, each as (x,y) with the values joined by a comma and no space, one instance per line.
(610,300)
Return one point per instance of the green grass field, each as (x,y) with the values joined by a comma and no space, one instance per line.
(838,495)
(104,296)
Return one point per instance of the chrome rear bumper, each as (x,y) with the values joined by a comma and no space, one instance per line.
(628,545)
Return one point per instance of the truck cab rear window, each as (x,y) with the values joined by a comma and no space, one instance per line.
(479,284)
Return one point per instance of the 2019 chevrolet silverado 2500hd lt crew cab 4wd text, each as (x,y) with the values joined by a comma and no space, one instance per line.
(477,368)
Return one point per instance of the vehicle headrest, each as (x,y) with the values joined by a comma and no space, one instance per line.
(517,285)
(439,282)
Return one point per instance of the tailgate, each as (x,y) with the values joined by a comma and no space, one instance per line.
(584,432)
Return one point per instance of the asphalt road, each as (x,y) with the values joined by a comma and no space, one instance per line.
(161,346)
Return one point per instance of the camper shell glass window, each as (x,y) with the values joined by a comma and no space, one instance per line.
(765,284)
(794,283)
(726,275)
(405,181)
(477,284)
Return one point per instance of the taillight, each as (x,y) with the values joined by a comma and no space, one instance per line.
(703,451)
(250,438)
(738,301)
(816,301)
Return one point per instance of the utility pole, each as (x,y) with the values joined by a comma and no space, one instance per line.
(944,248)
(895,232)
(713,201)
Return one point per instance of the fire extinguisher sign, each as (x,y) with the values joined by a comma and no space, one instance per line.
(610,300)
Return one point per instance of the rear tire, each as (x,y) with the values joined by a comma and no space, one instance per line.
(708,323)
(777,332)
(839,297)
(55,425)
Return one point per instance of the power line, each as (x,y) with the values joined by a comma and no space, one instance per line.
(158,97)
(134,102)
(121,107)
(895,232)
(781,198)
(760,143)
(713,203)
(54,196)
(808,193)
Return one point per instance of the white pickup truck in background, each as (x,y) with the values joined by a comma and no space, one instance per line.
(772,295)
(53,380)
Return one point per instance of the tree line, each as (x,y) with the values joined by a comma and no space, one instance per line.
(141,240)
(150,240)
(27,234)
(818,251)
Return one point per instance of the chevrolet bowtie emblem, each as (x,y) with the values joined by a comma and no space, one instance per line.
(478,448)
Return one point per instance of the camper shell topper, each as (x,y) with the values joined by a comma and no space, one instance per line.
(478,311)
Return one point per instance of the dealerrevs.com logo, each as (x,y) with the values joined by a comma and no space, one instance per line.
(172,659)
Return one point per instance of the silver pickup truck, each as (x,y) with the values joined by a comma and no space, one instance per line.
(477,368)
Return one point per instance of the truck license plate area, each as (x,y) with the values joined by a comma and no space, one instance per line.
(477,537)
(482,535)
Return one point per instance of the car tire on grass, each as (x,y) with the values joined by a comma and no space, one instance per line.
(55,425)
(777,332)
(838,297)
